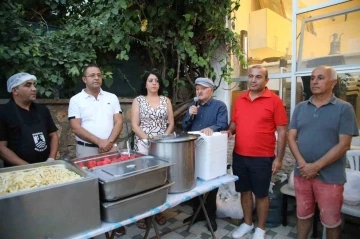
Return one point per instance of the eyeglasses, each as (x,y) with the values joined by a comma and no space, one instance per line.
(94,75)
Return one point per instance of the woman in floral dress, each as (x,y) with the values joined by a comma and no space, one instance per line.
(151,112)
(151,115)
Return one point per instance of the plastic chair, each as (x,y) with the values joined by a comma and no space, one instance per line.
(353,158)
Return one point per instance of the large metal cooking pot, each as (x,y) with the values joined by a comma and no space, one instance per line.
(180,150)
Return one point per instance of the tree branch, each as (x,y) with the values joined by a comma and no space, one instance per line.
(187,75)
(179,111)
(164,63)
(176,79)
(47,27)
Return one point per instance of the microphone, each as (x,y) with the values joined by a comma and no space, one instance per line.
(196,103)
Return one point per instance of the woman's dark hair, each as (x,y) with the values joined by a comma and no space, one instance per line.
(143,90)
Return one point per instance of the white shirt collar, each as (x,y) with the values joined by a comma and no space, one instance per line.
(86,95)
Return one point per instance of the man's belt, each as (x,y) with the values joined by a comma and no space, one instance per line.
(86,144)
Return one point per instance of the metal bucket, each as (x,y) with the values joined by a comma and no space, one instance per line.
(180,150)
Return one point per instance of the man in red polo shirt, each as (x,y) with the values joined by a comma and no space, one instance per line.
(257,114)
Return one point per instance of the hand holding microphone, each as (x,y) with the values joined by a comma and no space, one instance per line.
(194,108)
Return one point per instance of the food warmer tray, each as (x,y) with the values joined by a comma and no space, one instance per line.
(135,205)
(56,211)
(130,177)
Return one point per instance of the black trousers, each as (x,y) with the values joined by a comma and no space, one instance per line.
(210,204)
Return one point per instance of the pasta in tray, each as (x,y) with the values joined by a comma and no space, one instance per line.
(11,182)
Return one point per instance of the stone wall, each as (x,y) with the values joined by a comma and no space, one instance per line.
(59,112)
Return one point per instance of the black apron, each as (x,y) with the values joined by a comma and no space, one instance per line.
(33,145)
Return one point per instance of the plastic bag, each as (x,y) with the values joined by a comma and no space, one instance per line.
(351,188)
(228,202)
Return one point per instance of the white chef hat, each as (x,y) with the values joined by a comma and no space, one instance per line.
(18,79)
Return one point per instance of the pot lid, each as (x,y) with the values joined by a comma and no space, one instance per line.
(174,138)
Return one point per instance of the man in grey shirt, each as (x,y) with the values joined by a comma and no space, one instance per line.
(319,135)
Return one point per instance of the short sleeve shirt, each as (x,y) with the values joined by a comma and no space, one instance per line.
(10,128)
(256,122)
(318,131)
(96,114)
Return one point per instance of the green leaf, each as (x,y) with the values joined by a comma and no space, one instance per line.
(112,46)
(188,17)
(74,71)
(60,81)
(180,83)
(53,78)
(122,4)
(118,37)
(36,61)
(40,89)
(108,81)
(166,82)
(123,55)
(115,11)
(190,34)
(171,34)
(171,73)
(151,11)
(26,51)
(48,93)
(53,5)
(161,12)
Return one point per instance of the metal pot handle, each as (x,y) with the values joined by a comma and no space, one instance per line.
(199,141)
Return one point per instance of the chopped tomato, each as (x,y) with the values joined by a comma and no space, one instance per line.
(91,164)
(106,161)
(123,157)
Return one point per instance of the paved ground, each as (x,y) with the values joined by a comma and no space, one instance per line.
(225,228)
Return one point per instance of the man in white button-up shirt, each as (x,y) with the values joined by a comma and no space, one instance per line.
(95,116)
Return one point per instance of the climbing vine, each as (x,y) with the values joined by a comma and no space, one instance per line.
(54,39)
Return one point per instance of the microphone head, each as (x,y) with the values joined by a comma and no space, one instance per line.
(196,99)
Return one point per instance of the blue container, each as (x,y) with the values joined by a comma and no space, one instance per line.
(275,207)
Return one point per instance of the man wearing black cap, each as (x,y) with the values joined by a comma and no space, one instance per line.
(207,116)
(27,131)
